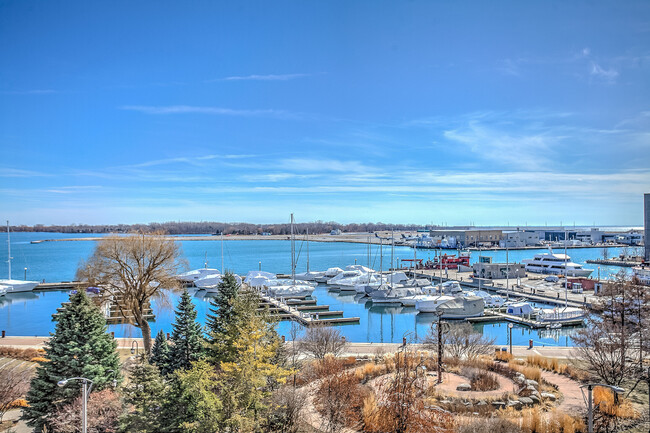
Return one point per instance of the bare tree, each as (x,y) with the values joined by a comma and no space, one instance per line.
(319,341)
(104,410)
(14,383)
(460,341)
(132,270)
(605,253)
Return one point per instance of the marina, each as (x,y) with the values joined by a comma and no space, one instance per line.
(56,263)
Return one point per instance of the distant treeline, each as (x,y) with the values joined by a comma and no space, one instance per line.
(188,228)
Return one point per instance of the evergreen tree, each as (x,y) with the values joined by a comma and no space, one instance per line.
(187,336)
(193,405)
(79,347)
(221,321)
(146,394)
(160,354)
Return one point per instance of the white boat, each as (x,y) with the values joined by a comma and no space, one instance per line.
(328,274)
(642,274)
(291,290)
(3,290)
(560,314)
(462,307)
(210,282)
(15,286)
(555,264)
(393,294)
(520,309)
(450,288)
(191,276)
(310,275)
(491,301)
(346,277)
(430,303)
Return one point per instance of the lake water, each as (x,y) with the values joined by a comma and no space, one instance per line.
(30,313)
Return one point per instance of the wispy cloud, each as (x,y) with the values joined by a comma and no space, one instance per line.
(606,74)
(220,111)
(268,77)
(15,172)
(29,92)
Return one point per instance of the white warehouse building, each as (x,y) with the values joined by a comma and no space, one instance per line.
(519,239)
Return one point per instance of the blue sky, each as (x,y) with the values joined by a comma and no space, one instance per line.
(424,112)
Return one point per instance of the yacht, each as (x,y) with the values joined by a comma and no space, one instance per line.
(555,264)
(430,303)
(394,294)
(291,290)
(3,290)
(328,274)
(491,301)
(560,314)
(462,307)
(15,286)
(191,276)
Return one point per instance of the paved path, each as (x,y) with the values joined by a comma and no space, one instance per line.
(572,400)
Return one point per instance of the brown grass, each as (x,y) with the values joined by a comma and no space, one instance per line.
(605,401)
(535,420)
(532,373)
(22,354)
(503,356)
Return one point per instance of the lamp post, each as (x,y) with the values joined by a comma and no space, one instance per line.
(135,350)
(260,265)
(84,399)
(510,326)
(25,274)
(590,409)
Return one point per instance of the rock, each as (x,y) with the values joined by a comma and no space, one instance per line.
(515,404)
(464,387)
(499,404)
(445,402)
(548,396)
(520,378)
(530,382)
(534,398)
(526,401)
(467,403)
(481,403)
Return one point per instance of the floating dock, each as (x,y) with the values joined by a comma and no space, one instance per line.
(497,316)
(304,311)
(63,285)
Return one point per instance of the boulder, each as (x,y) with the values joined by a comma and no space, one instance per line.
(548,396)
(516,404)
(534,398)
(481,403)
(499,404)
(445,401)
(526,401)
(464,387)
(531,382)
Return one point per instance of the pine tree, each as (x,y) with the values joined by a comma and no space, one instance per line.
(221,319)
(79,347)
(160,354)
(187,336)
(146,394)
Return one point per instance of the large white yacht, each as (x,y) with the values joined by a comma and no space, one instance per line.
(642,274)
(556,264)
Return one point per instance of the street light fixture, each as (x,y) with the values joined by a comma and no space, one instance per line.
(590,409)
(84,398)
(135,350)
(510,326)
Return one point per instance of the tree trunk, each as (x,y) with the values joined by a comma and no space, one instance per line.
(146,337)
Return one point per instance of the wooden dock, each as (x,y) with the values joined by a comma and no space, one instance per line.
(304,311)
(63,285)
(497,316)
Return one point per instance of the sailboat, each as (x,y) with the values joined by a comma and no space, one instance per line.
(294,289)
(15,286)
(309,275)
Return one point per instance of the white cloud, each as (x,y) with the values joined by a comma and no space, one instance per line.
(191,109)
(606,74)
(268,77)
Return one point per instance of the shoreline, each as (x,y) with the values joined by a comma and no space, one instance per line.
(357,238)
(353,348)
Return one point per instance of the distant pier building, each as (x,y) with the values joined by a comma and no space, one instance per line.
(646,224)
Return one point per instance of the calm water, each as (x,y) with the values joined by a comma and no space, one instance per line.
(30,313)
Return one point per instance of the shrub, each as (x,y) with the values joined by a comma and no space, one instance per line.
(606,403)
(484,381)
(503,356)
(22,354)
(492,425)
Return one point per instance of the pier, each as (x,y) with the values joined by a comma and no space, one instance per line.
(304,311)
(63,285)
(498,316)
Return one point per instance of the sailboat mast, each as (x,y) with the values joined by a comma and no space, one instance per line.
(381,261)
(222,269)
(392,248)
(507,272)
(293,253)
(307,250)
(8,249)
(566,276)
